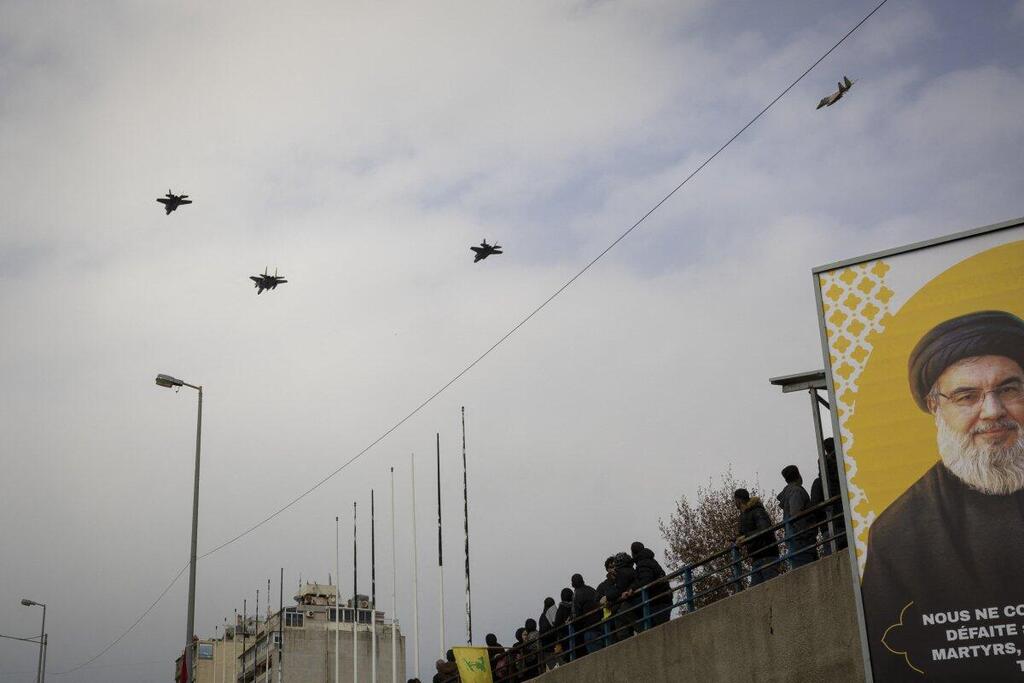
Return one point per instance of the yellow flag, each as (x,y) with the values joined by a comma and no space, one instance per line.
(474,664)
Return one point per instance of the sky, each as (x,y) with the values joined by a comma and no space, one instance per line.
(360,148)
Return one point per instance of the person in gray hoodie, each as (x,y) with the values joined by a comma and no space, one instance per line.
(801,533)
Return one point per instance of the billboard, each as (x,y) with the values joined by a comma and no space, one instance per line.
(924,353)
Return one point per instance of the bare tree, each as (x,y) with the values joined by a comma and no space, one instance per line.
(698,530)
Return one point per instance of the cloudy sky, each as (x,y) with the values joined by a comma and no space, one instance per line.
(361,148)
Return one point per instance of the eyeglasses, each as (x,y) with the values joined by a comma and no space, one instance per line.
(967,399)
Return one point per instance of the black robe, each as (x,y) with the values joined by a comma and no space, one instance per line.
(949,550)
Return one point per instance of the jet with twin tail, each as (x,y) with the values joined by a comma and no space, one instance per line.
(173,201)
(844,85)
(485,250)
(266,281)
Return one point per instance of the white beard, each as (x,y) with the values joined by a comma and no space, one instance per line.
(995,470)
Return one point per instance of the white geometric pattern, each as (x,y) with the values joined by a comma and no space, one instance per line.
(855,302)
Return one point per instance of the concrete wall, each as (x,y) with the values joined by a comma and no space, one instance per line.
(799,627)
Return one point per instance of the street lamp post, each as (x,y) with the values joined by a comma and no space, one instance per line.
(168,381)
(42,636)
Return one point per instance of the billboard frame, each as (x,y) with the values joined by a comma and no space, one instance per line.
(833,415)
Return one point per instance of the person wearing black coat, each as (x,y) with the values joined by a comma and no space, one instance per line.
(834,511)
(494,649)
(762,548)
(647,574)
(617,595)
(546,627)
(563,615)
(586,612)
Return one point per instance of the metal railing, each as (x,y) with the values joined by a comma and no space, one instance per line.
(697,585)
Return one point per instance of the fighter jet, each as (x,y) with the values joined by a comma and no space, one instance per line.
(267,281)
(173,201)
(485,250)
(844,85)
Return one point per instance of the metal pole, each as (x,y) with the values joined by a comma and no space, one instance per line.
(337,590)
(355,599)
(245,633)
(440,553)
(394,588)
(415,578)
(255,635)
(373,595)
(42,637)
(46,651)
(224,652)
(822,465)
(280,627)
(190,627)
(266,630)
(465,510)
(234,651)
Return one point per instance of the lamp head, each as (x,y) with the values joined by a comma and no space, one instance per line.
(168,381)
(28,603)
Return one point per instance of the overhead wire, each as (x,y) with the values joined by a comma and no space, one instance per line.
(508,334)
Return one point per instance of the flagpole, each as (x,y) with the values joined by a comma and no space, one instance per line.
(245,633)
(337,590)
(256,633)
(373,594)
(394,588)
(440,553)
(355,599)
(415,577)
(234,650)
(266,629)
(465,509)
(280,627)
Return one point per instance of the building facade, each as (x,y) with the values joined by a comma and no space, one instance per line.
(303,643)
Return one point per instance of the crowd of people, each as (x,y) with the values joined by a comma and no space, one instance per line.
(635,593)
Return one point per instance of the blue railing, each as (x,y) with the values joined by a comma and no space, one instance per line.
(697,585)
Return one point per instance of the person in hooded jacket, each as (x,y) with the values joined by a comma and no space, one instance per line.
(547,632)
(762,547)
(647,574)
(447,669)
(616,595)
(604,589)
(495,652)
(586,612)
(834,511)
(517,654)
(563,615)
(800,530)
(531,652)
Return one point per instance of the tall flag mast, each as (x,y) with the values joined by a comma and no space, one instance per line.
(394,588)
(440,553)
(465,510)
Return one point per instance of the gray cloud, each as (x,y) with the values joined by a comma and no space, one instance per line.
(361,149)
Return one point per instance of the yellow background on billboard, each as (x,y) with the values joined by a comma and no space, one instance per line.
(894,440)
(474,664)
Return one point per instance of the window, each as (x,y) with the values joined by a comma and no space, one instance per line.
(205,650)
(276,638)
(364,616)
(293,619)
(332,614)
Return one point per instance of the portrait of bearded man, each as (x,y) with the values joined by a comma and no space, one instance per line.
(954,540)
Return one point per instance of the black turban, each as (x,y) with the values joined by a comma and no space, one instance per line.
(985,333)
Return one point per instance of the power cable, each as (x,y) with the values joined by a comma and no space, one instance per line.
(508,334)
(129,629)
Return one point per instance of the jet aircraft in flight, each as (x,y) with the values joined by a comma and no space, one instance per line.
(485,250)
(173,201)
(266,281)
(844,85)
